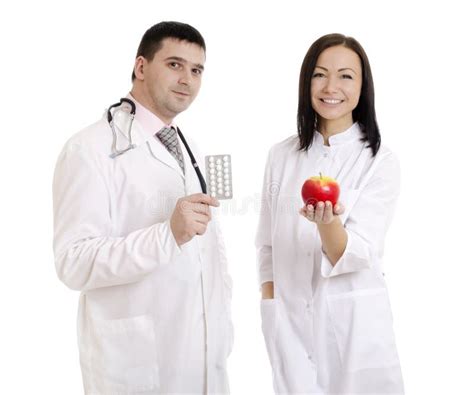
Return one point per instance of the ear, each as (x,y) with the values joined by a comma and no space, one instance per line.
(140,63)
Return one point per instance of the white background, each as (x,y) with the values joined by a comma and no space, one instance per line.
(63,63)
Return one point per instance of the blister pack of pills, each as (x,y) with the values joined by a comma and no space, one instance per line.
(219,176)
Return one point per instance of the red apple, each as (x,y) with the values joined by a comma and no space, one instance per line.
(319,189)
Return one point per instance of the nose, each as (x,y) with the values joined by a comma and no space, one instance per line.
(185,76)
(331,85)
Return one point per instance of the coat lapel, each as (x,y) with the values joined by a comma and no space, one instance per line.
(140,137)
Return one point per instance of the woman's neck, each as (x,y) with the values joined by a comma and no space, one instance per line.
(330,127)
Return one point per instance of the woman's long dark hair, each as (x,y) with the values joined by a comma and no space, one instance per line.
(364,113)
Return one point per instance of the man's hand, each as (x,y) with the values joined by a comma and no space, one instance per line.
(191,216)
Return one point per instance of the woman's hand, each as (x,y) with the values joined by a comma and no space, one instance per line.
(323,213)
(267,290)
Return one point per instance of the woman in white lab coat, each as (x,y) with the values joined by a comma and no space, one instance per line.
(326,315)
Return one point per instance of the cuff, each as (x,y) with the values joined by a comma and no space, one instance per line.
(167,241)
(356,257)
(264,264)
(268,277)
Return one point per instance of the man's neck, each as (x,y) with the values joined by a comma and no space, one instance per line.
(146,102)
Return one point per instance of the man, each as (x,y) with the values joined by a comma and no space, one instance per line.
(133,233)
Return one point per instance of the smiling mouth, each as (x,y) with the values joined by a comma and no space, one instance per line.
(331,101)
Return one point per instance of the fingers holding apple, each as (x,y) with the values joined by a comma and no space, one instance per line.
(339,209)
(322,213)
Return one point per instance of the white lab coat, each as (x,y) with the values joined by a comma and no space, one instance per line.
(153,317)
(329,329)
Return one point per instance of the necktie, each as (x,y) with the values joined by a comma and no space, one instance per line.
(169,138)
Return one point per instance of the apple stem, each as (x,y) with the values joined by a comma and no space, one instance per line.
(321,175)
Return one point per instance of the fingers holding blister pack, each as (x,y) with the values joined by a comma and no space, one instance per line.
(219,176)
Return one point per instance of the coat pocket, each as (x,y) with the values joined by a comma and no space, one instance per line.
(362,322)
(269,327)
(123,355)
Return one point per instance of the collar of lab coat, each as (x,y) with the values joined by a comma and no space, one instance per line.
(344,137)
(140,137)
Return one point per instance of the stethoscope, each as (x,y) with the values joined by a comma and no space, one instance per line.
(130,105)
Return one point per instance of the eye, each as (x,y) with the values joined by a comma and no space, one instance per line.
(174,65)
(197,71)
(318,75)
(347,76)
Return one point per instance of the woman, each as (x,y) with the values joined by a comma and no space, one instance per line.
(326,315)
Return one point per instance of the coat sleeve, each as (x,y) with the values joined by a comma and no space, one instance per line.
(369,220)
(263,239)
(87,256)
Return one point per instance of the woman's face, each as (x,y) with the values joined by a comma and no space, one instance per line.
(336,85)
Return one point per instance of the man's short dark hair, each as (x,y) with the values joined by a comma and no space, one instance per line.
(152,40)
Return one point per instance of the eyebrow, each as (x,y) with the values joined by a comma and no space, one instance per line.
(343,69)
(182,60)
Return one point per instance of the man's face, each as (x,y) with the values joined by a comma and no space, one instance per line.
(171,80)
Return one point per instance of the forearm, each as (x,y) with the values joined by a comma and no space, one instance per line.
(104,261)
(333,239)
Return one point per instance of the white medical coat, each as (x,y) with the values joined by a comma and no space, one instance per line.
(153,317)
(328,329)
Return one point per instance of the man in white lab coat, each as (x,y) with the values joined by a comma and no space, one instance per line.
(135,234)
